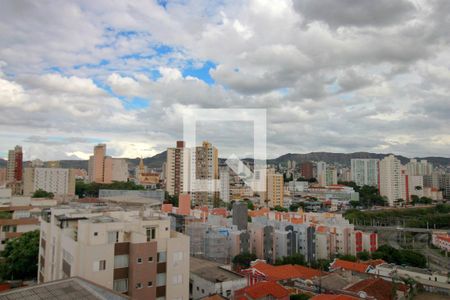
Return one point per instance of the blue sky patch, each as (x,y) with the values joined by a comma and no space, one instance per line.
(136,103)
(201,73)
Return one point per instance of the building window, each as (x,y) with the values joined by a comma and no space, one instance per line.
(121,261)
(102,265)
(161,279)
(121,285)
(113,237)
(139,285)
(99,265)
(139,260)
(150,259)
(95,233)
(151,233)
(150,284)
(177,279)
(162,257)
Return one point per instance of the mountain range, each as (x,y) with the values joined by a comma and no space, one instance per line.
(343,159)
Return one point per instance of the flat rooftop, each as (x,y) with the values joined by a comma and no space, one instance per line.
(211,271)
(71,288)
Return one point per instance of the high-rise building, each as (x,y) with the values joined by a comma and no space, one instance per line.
(419,168)
(14,167)
(224,192)
(364,171)
(177,169)
(240,215)
(275,189)
(130,251)
(411,185)
(328,176)
(2,176)
(105,169)
(321,167)
(206,162)
(390,179)
(53,180)
(307,170)
(97,164)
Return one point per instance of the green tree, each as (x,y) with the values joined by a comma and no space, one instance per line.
(294,206)
(20,257)
(299,297)
(40,193)
(347,257)
(250,204)
(5,215)
(321,264)
(83,189)
(364,255)
(244,259)
(296,259)
(171,199)
(354,204)
(279,208)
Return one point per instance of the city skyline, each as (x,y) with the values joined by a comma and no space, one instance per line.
(371,77)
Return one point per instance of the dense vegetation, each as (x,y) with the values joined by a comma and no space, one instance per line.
(368,195)
(171,199)
(296,259)
(83,189)
(40,193)
(20,257)
(436,217)
(243,260)
(400,257)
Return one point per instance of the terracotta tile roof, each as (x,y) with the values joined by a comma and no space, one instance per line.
(444,238)
(375,262)
(266,288)
(377,288)
(333,297)
(286,271)
(321,229)
(14,208)
(10,235)
(349,265)
(22,221)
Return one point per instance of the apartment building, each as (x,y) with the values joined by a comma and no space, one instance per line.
(390,179)
(105,169)
(130,251)
(364,171)
(177,169)
(205,172)
(224,190)
(328,176)
(419,168)
(55,180)
(275,189)
(14,167)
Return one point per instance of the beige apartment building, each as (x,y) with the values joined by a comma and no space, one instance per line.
(275,189)
(55,180)
(205,168)
(130,251)
(177,170)
(105,169)
(390,179)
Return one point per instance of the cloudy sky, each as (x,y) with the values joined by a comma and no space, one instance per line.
(334,75)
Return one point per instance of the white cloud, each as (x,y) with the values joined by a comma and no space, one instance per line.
(370,77)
